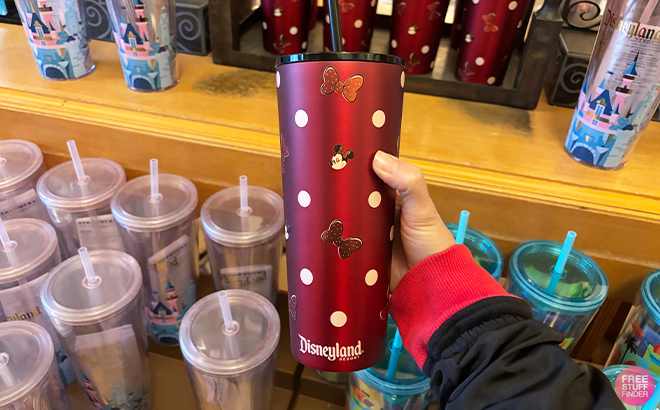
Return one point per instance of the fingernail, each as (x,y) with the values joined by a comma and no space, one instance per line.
(386,162)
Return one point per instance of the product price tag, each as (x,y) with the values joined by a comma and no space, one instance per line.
(25,205)
(112,368)
(99,232)
(255,278)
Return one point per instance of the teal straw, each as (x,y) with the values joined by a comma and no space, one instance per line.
(561,262)
(397,347)
(462,227)
(654,401)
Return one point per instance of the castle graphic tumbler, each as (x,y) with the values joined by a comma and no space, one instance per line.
(58,37)
(621,90)
(336,110)
(145,34)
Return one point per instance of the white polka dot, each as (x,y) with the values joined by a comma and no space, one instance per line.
(304,45)
(306,276)
(519,24)
(468,38)
(338,319)
(286,235)
(343,40)
(371,277)
(374,199)
(304,199)
(373,3)
(391,233)
(491,80)
(358,23)
(432,63)
(264,25)
(293,30)
(394,44)
(327,19)
(475,1)
(301,118)
(403,79)
(277,79)
(426,49)
(479,61)
(378,118)
(513,5)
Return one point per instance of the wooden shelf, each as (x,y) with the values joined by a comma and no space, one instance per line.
(506,165)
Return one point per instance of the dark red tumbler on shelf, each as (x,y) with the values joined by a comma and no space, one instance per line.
(336,110)
(416,30)
(489,34)
(357,22)
(285,25)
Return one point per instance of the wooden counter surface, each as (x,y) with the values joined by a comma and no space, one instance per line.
(506,165)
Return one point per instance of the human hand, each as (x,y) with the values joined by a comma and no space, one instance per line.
(419,232)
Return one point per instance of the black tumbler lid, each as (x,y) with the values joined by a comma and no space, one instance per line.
(327,56)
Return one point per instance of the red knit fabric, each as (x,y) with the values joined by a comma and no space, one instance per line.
(433,290)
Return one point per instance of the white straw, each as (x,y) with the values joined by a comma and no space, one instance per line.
(5,374)
(245,209)
(226,311)
(87,266)
(155,193)
(77,163)
(4,237)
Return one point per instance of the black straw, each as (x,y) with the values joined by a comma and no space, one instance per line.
(335,26)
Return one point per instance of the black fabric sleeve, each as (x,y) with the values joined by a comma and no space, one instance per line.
(494,355)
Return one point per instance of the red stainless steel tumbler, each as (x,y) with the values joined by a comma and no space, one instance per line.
(336,111)
(357,22)
(285,25)
(488,36)
(416,30)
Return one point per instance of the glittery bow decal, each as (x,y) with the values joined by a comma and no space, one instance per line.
(348,89)
(284,151)
(293,307)
(466,71)
(488,20)
(346,6)
(346,246)
(434,14)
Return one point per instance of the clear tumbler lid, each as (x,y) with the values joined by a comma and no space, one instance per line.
(26,354)
(36,241)
(223,223)
(69,298)
(208,348)
(486,252)
(59,188)
(651,294)
(20,160)
(582,288)
(132,208)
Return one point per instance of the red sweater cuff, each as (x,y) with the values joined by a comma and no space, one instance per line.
(433,290)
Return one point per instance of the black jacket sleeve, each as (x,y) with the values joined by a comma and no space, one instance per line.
(493,355)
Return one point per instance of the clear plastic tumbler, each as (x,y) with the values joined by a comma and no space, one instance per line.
(21,165)
(245,249)
(579,294)
(29,378)
(234,369)
(98,313)
(23,269)
(79,209)
(406,387)
(639,341)
(160,232)
(486,252)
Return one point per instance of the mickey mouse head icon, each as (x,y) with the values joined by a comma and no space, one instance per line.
(341,157)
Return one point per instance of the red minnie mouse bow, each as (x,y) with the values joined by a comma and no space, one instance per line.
(348,89)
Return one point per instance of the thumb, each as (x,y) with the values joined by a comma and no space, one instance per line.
(422,231)
(405,178)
